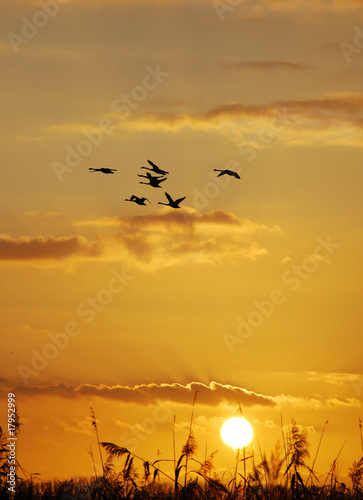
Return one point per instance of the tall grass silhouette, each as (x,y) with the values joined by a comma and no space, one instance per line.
(286,475)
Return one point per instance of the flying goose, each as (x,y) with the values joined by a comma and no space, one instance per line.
(228,172)
(136,199)
(103,170)
(155,168)
(172,203)
(154,181)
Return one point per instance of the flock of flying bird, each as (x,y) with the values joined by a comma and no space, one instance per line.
(156,180)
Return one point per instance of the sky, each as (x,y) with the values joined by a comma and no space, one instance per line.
(250,293)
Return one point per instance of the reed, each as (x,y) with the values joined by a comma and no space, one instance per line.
(94,425)
(266,481)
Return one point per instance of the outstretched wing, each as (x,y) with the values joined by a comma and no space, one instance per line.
(154,177)
(179,200)
(152,164)
(222,172)
(170,199)
(232,172)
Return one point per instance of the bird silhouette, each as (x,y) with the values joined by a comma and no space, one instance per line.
(172,203)
(227,172)
(103,170)
(155,168)
(136,199)
(154,181)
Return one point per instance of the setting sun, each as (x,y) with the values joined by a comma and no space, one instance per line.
(181,237)
(237,432)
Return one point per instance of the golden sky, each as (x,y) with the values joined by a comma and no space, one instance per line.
(251,291)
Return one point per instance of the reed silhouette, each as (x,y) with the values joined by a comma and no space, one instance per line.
(120,477)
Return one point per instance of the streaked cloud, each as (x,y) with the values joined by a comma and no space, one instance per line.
(39,249)
(266,65)
(301,5)
(176,237)
(57,390)
(149,241)
(75,427)
(212,394)
(147,394)
(330,119)
(316,402)
(271,4)
(335,379)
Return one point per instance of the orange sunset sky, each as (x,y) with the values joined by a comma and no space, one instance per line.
(250,293)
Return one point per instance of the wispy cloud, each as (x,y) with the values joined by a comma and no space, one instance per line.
(145,394)
(40,249)
(75,426)
(339,107)
(212,394)
(56,391)
(272,4)
(334,118)
(291,401)
(149,241)
(301,5)
(266,65)
(176,237)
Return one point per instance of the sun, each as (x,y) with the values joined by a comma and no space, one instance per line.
(236,432)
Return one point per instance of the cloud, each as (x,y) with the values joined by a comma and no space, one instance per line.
(316,403)
(103,222)
(330,119)
(131,427)
(75,427)
(45,249)
(339,380)
(343,403)
(266,65)
(149,241)
(149,394)
(212,394)
(299,5)
(57,390)
(251,4)
(177,237)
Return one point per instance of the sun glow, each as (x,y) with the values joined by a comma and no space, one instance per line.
(236,432)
